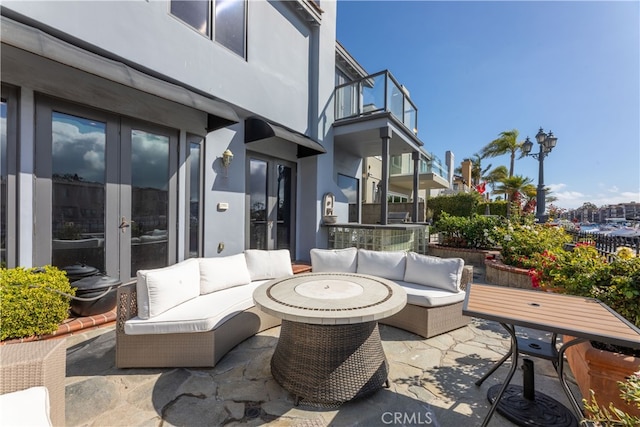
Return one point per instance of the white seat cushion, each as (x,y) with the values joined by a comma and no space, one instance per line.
(222,273)
(28,407)
(427,296)
(442,273)
(163,288)
(386,264)
(334,260)
(265,265)
(201,314)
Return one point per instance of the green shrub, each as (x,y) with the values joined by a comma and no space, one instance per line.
(498,207)
(29,303)
(584,272)
(520,242)
(461,204)
(476,232)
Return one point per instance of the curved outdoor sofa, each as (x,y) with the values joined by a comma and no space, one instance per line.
(192,313)
(435,286)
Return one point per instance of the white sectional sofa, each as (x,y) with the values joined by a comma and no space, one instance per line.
(435,286)
(192,313)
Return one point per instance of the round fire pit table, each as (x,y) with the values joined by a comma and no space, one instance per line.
(329,351)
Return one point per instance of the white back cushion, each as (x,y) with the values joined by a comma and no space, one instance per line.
(334,260)
(264,265)
(222,273)
(163,288)
(385,264)
(28,407)
(441,273)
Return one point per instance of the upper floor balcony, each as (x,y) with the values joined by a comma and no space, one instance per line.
(432,174)
(377,93)
(365,106)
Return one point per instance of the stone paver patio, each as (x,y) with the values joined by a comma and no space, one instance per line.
(432,383)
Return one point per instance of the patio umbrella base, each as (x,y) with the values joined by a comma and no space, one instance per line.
(542,411)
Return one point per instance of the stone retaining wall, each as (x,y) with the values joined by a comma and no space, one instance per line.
(497,273)
(470,256)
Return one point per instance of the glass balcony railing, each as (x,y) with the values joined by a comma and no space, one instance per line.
(403,165)
(376,93)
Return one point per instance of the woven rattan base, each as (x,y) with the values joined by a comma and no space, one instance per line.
(327,365)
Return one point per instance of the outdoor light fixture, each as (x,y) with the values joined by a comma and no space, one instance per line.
(547,143)
(227,158)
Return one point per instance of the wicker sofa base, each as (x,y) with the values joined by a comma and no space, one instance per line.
(428,321)
(198,349)
(37,363)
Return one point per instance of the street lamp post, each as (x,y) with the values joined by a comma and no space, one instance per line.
(547,143)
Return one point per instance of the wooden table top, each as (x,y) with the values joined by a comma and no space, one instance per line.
(330,298)
(565,314)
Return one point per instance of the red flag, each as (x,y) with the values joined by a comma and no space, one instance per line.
(480,188)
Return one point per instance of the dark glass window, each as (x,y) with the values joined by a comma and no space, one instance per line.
(195,190)
(230,25)
(193,12)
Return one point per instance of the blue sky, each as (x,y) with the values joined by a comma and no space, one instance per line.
(475,69)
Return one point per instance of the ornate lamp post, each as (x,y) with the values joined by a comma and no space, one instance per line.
(547,142)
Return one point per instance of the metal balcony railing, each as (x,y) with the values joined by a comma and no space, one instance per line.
(376,93)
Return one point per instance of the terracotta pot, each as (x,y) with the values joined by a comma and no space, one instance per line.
(600,371)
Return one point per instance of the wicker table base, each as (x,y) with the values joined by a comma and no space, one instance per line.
(327,365)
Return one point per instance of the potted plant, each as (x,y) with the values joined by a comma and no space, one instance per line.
(611,415)
(584,272)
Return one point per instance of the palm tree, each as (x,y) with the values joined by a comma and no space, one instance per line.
(513,187)
(506,143)
(495,176)
(548,197)
(476,169)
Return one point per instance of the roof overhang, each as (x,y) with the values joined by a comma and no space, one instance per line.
(261,132)
(40,43)
(360,136)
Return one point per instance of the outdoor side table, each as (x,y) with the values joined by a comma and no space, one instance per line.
(586,319)
(329,351)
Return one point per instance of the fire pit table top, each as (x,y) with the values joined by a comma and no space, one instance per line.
(330,298)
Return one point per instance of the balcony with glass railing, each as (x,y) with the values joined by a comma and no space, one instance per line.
(377,93)
(403,165)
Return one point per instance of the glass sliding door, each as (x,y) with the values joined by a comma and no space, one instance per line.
(78,190)
(149,200)
(105,191)
(284,207)
(258,209)
(271,204)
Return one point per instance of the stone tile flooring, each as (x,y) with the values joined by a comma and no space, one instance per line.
(432,383)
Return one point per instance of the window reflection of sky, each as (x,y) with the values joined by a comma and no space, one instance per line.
(149,160)
(349,187)
(78,147)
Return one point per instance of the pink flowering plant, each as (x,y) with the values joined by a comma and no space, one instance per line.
(584,272)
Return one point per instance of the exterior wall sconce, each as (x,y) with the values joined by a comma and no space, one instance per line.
(227,158)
